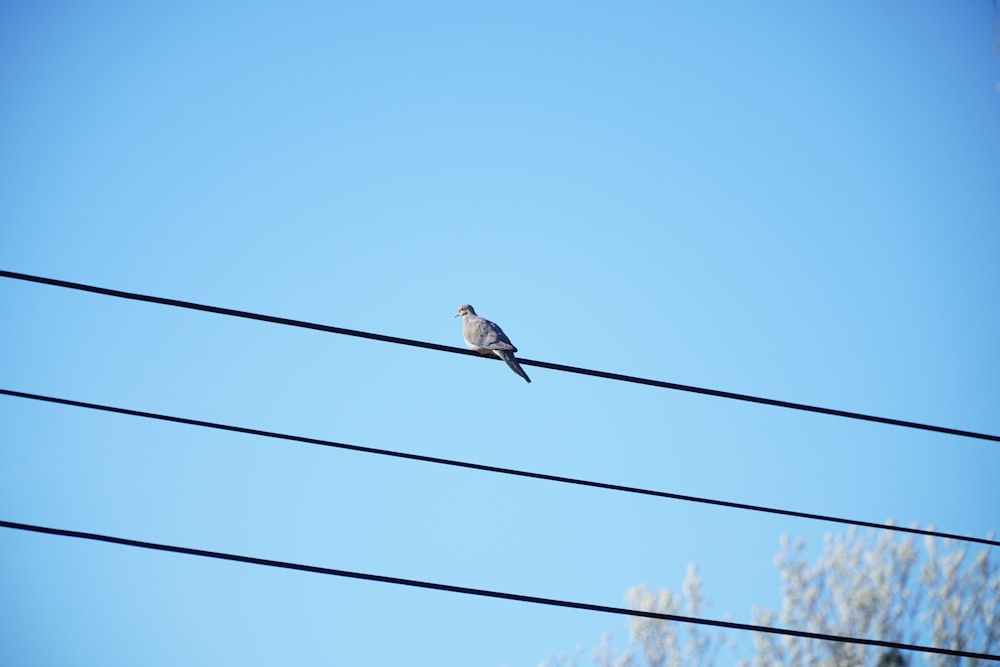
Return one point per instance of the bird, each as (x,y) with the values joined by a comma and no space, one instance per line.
(487,338)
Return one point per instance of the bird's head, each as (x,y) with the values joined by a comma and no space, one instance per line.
(464,310)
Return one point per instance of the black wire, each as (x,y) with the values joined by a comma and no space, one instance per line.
(464,590)
(456,350)
(488,468)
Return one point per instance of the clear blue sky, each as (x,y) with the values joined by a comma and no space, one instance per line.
(776,198)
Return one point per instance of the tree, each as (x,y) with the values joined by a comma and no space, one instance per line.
(874,584)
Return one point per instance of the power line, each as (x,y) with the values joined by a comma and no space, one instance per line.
(465,590)
(177,303)
(488,468)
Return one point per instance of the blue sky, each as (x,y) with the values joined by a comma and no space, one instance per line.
(786,200)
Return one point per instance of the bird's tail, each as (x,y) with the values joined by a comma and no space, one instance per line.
(514,366)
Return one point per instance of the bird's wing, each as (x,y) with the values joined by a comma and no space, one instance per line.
(487,335)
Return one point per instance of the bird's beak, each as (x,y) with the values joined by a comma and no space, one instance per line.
(457,314)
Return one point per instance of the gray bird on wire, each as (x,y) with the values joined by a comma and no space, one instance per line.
(487,338)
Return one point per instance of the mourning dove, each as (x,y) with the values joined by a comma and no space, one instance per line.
(487,338)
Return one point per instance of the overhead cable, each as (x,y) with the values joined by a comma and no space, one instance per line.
(492,469)
(465,590)
(177,303)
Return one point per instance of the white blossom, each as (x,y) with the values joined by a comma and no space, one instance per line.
(876,585)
